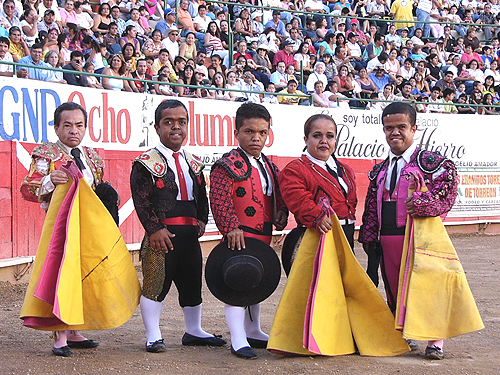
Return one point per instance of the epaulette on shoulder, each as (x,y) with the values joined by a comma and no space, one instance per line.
(95,157)
(430,162)
(194,163)
(373,174)
(48,150)
(153,162)
(235,163)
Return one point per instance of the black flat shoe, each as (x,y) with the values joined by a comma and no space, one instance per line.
(157,347)
(190,340)
(87,344)
(246,352)
(256,343)
(65,351)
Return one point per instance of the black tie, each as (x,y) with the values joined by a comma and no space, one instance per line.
(76,155)
(394,175)
(334,174)
(263,170)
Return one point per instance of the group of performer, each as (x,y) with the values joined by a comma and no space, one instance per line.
(248,197)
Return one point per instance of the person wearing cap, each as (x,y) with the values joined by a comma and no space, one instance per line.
(171,42)
(246,202)
(48,22)
(169,194)
(167,23)
(402,10)
(277,25)
(45,5)
(380,77)
(257,25)
(262,60)
(285,54)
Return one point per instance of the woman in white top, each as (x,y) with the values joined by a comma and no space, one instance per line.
(493,71)
(53,59)
(392,65)
(213,43)
(407,70)
(29,26)
(320,99)
(219,82)
(302,55)
(115,63)
(475,72)
(317,75)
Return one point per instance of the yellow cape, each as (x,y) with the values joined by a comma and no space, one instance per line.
(97,286)
(434,298)
(345,308)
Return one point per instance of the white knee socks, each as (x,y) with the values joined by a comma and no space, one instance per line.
(252,323)
(151,311)
(235,318)
(192,320)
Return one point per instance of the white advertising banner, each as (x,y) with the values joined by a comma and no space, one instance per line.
(125,121)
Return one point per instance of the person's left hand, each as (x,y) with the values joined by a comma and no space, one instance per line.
(281,220)
(201,228)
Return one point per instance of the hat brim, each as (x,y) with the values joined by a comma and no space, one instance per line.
(289,246)
(267,285)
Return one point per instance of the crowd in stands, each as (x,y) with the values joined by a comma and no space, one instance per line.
(280,55)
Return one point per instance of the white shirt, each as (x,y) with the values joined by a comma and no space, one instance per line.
(172,47)
(202,22)
(168,154)
(255,164)
(405,158)
(4,67)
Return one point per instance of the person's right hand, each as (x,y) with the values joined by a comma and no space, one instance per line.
(160,240)
(236,239)
(325,225)
(58,177)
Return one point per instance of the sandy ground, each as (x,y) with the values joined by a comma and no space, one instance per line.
(121,351)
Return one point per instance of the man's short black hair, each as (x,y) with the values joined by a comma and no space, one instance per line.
(5,40)
(448,72)
(251,110)
(68,106)
(396,108)
(436,88)
(76,54)
(167,104)
(447,91)
(36,46)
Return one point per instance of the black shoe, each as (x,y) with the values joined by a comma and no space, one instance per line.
(87,344)
(434,353)
(65,351)
(245,352)
(190,340)
(413,344)
(157,347)
(256,343)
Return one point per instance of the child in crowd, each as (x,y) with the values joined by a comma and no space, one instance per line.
(92,80)
(271,99)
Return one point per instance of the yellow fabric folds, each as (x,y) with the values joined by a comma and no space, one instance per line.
(346,307)
(433,289)
(97,286)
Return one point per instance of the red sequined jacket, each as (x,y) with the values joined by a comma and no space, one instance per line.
(303,183)
(231,180)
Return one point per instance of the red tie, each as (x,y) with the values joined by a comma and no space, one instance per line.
(180,174)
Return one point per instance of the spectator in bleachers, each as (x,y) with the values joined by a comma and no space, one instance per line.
(475,72)
(317,75)
(277,24)
(5,55)
(34,59)
(187,79)
(116,18)
(50,5)
(188,47)
(435,98)
(48,22)
(29,26)
(251,85)
(63,44)
(130,36)
(448,96)
(320,98)
(112,39)
(488,18)
(434,69)
(179,65)
(216,66)
(285,54)
(68,14)
(153,6)
(129,51)
(377,9)
(402,10)
(102,19)
(471,39)
(74,37)
(279,78)
(164,89)
(446,82)
(162,60)
(302,59)
(114,65)
(75,64)
(380,77)
(167,23)
(171,42)
(374,48)
(219,82)
(232,82)
(488,100)
(257,25)
(126,72)
(134,21)
(243,28)
(493,71)
(92,81)
(405,93)
(184,18)
(345,81)
(8,18)
(341,58)
(153,46)
(212,41)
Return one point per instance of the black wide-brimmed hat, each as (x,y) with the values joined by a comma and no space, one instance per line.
(290,247)
(243,277)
